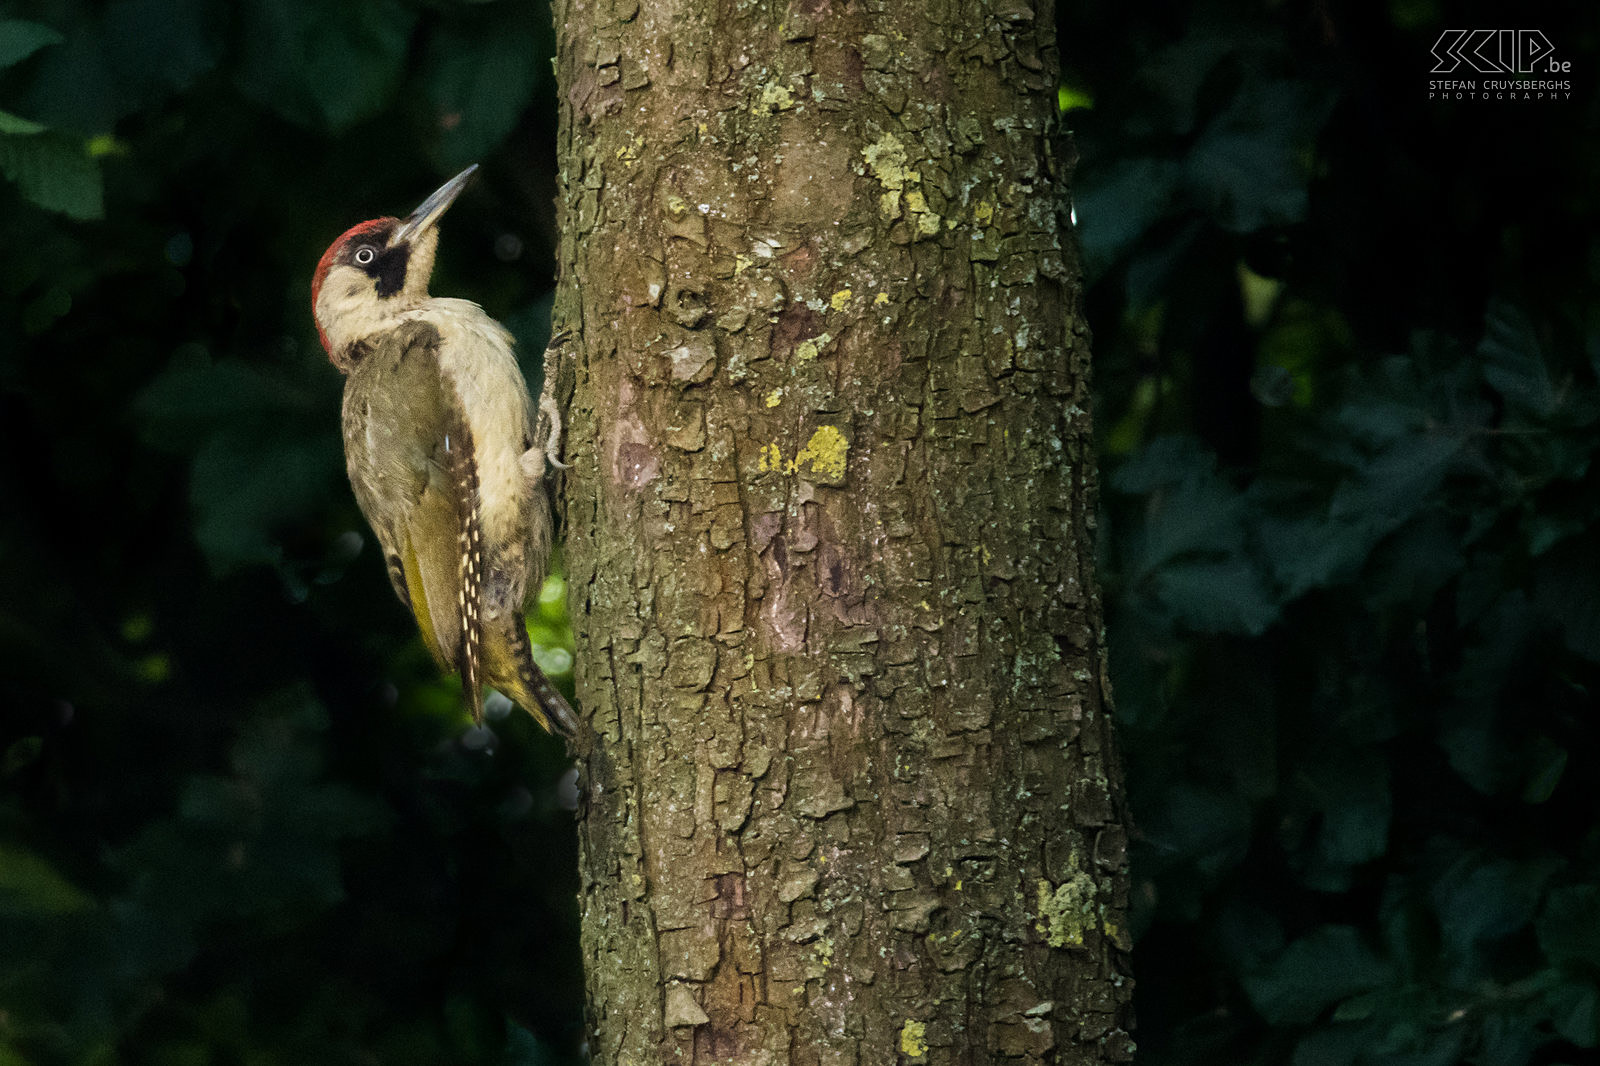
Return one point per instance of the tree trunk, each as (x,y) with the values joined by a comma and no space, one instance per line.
(852,795)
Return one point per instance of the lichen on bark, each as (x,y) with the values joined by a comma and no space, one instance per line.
(828,520)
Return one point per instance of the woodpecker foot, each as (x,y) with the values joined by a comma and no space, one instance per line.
(549,409)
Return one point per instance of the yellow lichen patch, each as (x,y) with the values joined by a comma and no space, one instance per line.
(808,350)
(1066,910)
(983,212)
(825,452)
(888,161)
(913,1039)
(880,299)
(886,158)
(774,398)
(927,221)
(769,458)
(840,300)
(629,153)
(774,97)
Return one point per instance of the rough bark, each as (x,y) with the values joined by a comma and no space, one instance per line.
(852,795)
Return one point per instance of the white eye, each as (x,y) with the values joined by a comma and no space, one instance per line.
(366,254)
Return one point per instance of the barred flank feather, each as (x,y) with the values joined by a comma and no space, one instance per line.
(469,596)
(534,692)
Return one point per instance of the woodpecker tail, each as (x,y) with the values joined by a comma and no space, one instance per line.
(521,679)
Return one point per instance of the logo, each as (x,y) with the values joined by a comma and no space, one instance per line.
(1497,52)
(1519,65)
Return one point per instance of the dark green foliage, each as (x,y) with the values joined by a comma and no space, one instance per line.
(241,818)
(1348,346)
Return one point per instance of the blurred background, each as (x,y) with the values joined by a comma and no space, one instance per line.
(1346,352)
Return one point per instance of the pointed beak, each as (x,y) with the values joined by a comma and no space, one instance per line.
(427,214)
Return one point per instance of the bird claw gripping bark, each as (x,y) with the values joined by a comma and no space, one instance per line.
(549,425)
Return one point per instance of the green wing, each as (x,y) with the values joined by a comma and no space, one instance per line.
(409,455)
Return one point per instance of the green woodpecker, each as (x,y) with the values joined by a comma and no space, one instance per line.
(445,451)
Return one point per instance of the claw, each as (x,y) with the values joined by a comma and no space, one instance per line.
(552,445)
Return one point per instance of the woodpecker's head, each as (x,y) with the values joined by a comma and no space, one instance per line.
(376,271)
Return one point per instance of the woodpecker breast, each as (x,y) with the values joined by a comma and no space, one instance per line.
(477,357)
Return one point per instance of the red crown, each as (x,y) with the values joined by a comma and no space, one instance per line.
(326,263)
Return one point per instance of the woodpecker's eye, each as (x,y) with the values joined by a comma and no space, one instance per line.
(366,254)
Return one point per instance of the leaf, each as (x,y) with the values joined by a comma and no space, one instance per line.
(525,1049)
(158,46)
(1314,552)
(1398,483)
(1151,266)
(55,172)
(1547,762)
(1514,363)
(1564,590)
(1334,1045)
(1222,597)
(1210,828)
(20,39)
(1272,386)
(324,65)
(1314,973)
(1356,806)
(1411,565)
(1378,423)
(1117,205)
(1165,461)
(21,753)
(73,85)
(1191,508)
(1569,925)
(1177,72)
(1247,935)
(265,455)
(17,125)
(1509,1037)
(246,484)
(195,397)
(1481,900)
(1468,734)
(32,885)
(1250,164)
(263,840)
(1575,1012)
(480,75)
